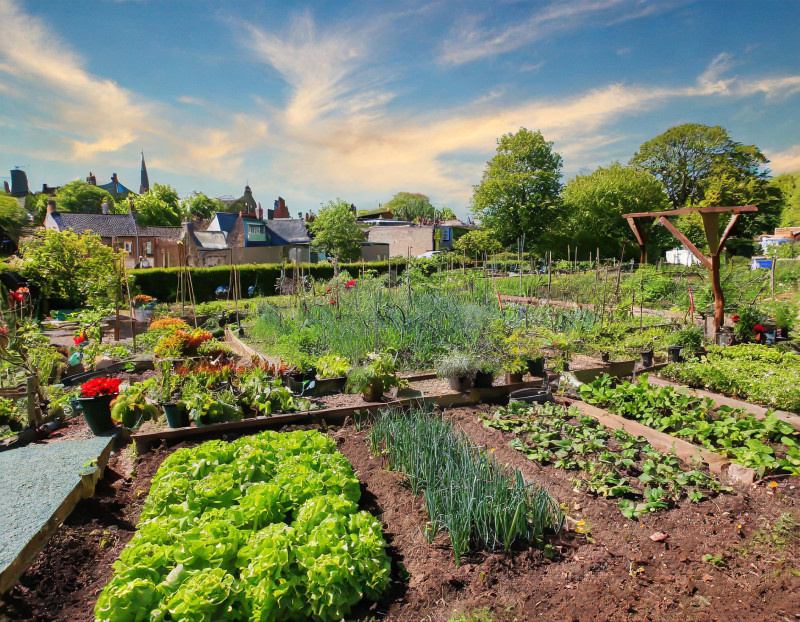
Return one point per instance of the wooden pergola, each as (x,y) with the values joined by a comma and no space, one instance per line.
(716,242)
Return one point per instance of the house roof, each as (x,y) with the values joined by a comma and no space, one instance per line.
(211,239)
(287,231)
(114,187)
(225,220)
(111,225)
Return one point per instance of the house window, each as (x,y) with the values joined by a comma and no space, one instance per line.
(128,247)
(148,248)
(446,234)
(256,233)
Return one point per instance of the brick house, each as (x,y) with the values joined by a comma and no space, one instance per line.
(156,246)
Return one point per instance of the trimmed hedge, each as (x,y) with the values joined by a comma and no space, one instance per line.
(162,283)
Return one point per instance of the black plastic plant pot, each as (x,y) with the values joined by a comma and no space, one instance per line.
(177,417)
(531,396)
(674,354)
(373,392)
(647,358)
(483,380)
(536,367)
(513,378)
(461,384)
(97,413)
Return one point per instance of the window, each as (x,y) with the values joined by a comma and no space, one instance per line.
(128,247)
(256,233)
(148,248)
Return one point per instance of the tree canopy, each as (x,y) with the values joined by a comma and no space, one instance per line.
(687,157)
(789,185)
(596,202)
(71,269)
(477,242)
(519,191)
(159,206)
(414,205)
(201,205)
(13,218)
(337,232)
(78,196)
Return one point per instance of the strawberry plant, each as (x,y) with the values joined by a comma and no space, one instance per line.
(612,463)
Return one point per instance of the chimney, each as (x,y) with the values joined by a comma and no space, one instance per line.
(260,212)
(51,206)
(114,177)
(104,207)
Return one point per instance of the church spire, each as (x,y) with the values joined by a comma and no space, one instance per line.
(145,183)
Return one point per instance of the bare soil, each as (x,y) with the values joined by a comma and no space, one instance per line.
(613,571)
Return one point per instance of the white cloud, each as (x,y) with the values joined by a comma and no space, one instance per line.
(786,161)
(89,117)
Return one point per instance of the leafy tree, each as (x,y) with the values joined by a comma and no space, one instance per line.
(789,185)
(413,205)
(686,157)
(477,242)
(70,269)
(201,205)
(727,190)
(78,196)
(519,190)
(596,202)
(13,218)
(337,232)
(160,206)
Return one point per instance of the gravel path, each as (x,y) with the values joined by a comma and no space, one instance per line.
(34,481)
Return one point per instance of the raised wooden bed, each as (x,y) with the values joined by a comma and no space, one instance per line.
(661,441)
(144,442)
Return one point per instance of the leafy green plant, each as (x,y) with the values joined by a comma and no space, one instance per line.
(380,372)
(131,408)
(457,364)
(478,501)
(263,528)
(612,463)
(332,366)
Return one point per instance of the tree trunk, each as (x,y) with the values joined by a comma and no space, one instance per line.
(719,298)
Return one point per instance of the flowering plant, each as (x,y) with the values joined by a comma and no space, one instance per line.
(349,284)
(734,318)
(143,301)
(759,329)
(79,339)
(100,386)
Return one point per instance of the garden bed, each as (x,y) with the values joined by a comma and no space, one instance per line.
(589,580)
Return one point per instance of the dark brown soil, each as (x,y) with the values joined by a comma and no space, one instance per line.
(616,573)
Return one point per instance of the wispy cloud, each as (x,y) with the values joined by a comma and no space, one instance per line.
(470,40)
(89,116)
(785,161)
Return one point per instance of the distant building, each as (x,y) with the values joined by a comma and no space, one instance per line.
(246,238)
(156,246)
(681,257)
(116,189)
(782,235)
(407,239)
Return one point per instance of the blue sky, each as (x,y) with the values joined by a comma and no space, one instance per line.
(364,99)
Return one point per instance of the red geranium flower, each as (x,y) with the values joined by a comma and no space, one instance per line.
(329,289)
(3,330)
(349,284)
(100,386)
(333,302)
(734,318)
(79,339)
(759,329)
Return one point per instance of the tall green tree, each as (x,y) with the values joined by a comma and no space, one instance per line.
(519,191)
(79,196)
(596,202)
(728,190)
(789,185)
(414,205)
(337,232)
(13,218)
(478,242)
(72,270)
(201,205)
(159,206)
(686,157)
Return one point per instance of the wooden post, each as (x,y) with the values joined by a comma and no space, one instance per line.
(772,277)
(549,273)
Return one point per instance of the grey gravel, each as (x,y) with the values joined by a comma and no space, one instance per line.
(34,481)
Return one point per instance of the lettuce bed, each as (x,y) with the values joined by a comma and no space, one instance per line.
(263,528)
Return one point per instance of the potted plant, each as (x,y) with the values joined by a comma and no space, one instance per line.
(131,407)
(377,376)
(515,368)
(143,307)
(95,403)
(484,377)
(785,315)
(459,368)
(168,396)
